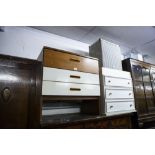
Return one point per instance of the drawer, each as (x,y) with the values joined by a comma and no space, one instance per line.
(120,106)
(118,82)
(71,89)
(62,60)
(53,74)
(118,94)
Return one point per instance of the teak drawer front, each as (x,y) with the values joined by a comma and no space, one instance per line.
(120,106)
(118,94)
(71,89)
(53,74)
(118,82)
(68,61)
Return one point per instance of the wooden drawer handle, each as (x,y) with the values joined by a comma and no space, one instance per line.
(73,59)
(75,76)
(75,89)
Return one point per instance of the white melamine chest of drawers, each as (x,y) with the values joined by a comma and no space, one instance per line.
(117,92)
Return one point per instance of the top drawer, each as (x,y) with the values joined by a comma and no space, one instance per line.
(62,60)
(118,82)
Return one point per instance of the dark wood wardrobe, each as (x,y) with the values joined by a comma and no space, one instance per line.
(143,75)
(20,87)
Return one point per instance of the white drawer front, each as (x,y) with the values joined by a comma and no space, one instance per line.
(109,81)
(53,74)
(120,106)
(116,73)
(118,94)
(72,89)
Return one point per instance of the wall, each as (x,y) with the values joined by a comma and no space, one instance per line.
(28,42)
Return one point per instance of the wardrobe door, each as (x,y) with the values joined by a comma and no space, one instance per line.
(148,89)
(20,90)
(15,91)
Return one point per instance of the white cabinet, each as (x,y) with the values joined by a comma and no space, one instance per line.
(117,91)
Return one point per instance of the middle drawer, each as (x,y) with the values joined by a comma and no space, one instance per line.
(118,94)
(53,74)
(72,89)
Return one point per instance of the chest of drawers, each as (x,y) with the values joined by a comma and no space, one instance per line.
(70,82)
(117,92)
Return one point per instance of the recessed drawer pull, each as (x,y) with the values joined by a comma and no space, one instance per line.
(75,76)
(75,89)
(73,59)
(111,106)
(110,94)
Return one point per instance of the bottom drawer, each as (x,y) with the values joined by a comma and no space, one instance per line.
(120,106)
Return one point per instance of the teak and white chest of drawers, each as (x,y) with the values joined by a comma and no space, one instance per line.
(117,92)
(68,76)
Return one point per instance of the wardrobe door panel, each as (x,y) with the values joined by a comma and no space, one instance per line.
(136,72)
(141,106)
(146,74)
(151,104)
(148,90)
(139,90)
(14,99)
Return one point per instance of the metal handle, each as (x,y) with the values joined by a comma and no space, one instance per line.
(130,105)
(75,76)
(73,59)
(111,106)
(109,81)
(6,93)
(128,82)
(129,94)
(110,94)
(75,89)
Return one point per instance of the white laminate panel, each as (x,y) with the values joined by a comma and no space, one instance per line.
(110,81)
(120,106)
(115,73)
(53,74)
(71,89)
(118,94)
(60,111)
